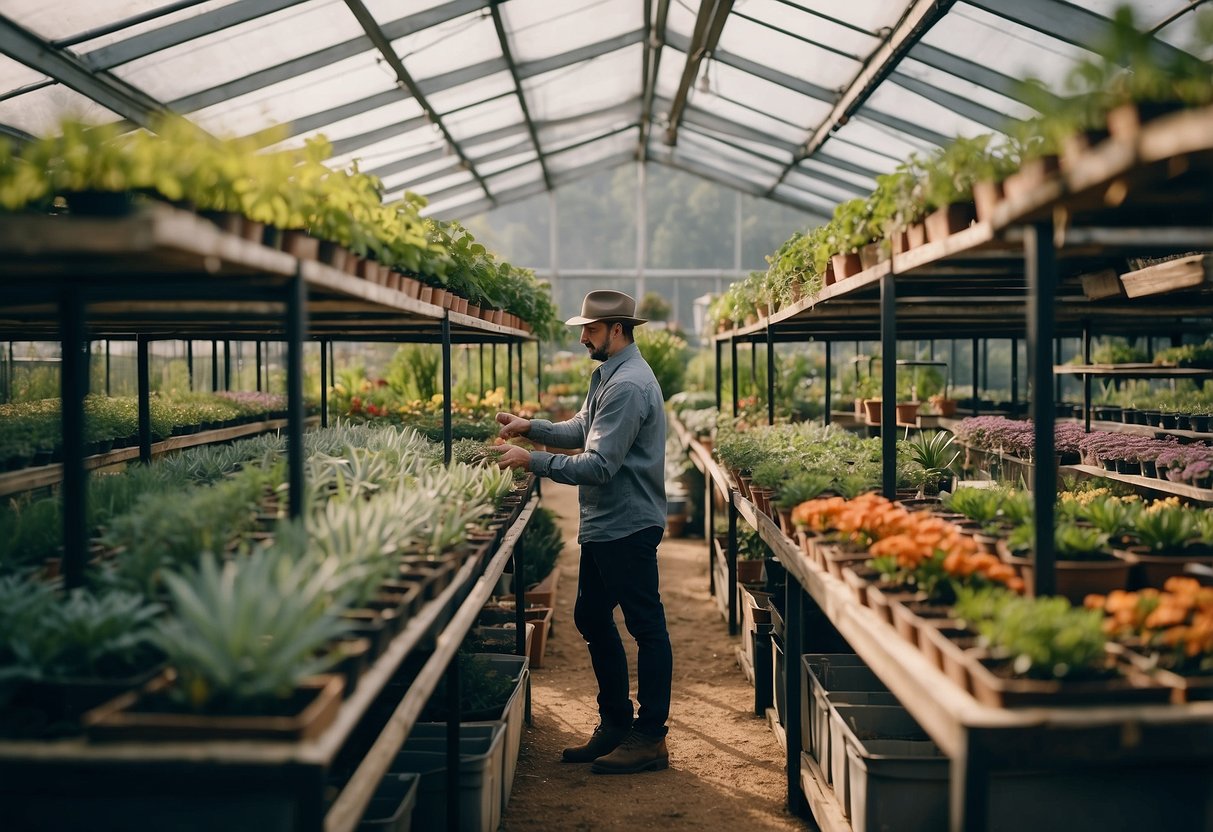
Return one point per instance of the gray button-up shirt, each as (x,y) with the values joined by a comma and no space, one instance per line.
(621,474)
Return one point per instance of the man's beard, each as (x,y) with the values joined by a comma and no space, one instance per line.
(598,353)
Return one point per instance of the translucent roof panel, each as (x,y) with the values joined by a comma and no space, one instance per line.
(592,84)
(540,29)
(314,92)
(419,173)
(787,54)
(394,147)
(160,21)
(57,20)
(914,109)
(505,163)
(681,18)
(799,22)
(830,190)
(15,75)
(1003,45)
(817,168)
(449,46)
(562,161)
(561,131)
(241,50)
(40,112)
(964,88)
(491,115)
(472,93)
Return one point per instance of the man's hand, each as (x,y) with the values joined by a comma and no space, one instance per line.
(512,425)
(515,457)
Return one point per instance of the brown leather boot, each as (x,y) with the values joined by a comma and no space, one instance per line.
(637,752)
(606,739)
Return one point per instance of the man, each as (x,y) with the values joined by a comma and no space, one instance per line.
(621,486)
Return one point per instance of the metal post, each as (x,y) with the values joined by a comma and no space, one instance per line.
(453,718)
(985,364)
(538,369)
(324,383)
(482,369)
(189,360)
(733,346)
(1041,271)
(553,242)
(731,563)
(521,375)
(888,386)
(519,599)
(709,533)
(770,374)
(825,418)
(1086,378)
(736,232)
(227,365)
(296,332)
(754,366)
(1058,379)
(446,390)
(976,381)
(792,650)
(495,368)
(258,358)
(642,230)
(1015,372)
(214,366)
(719,375)
(931,349)
(73,384)
(107,368)
(509,372)
(467,362)
(145,403)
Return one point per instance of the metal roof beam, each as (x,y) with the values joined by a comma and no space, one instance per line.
(539,66)
(709,24)
(126,22)
(654,43)
(379,134)
(666,157)
(526,111)
(113,93)
(774,28)
(384,45)
(958,104)
(758,70)
(910,128)
(918,19)
(711,121)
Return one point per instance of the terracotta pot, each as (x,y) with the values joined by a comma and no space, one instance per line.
(410,287)
(426,295)
(916,234)
(901,241)
(473,310)
(499,316)
(986,196)
(1126,121)
(846,265)
(352,264)
(369,270)
(829,277)
(870,255)
(871,408)
(749,571)
(946,407)
(253,231)
(1030,176)
(300,244)
(947,221)
(907,412)
(392,280)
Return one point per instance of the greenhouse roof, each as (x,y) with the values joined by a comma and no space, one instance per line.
(477,103)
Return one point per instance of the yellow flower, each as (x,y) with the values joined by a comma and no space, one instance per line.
(436,398)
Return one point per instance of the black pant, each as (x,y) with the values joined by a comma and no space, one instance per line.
(624,573)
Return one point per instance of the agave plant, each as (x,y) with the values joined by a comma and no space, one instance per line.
(245,633)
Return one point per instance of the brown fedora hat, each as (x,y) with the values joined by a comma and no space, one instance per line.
(607,305)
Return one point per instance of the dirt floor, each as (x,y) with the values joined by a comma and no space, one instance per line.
(726,769)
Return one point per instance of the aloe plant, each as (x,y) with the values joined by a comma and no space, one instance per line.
(1166,530)
(245,633)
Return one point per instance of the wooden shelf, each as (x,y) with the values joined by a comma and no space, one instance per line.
(1130,371)
(1140,430)
(822,800)
(1176,489)
(27,479)
(207,281)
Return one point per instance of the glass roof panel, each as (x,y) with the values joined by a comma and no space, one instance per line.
(898,102)
(39,112)
(55,21)
(811,26)
(812,201)
(826,190)
(590,85)
(735,135)
(241,50)
(562,132)
(397,181)
(871,17)
(14,74)
(593,152)
(681,20)
(496,166)
(877,138)
(471,93)
(539,29)
(791,106)
(314,92)
(813,167)
(964,88)
(457,43)
(390,9)
(670,72)
(514,178)
(787,54)
(147,26)
(399,113)
(480,150)
(1002,45)
(856,152)
(708,147)
(396,147)
(484,117)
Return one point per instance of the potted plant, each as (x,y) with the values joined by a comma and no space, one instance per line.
(800,488)
(1085,562)
(245,644)
(752,552)
(1165,538)
(934,454)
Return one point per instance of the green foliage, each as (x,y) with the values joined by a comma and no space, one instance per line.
(802,487)
(980,504)
(654,308)
(541,544)
(666,354)
(1166,529)
(244,634)
(1043,638)
(1187,355)
(751,546)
